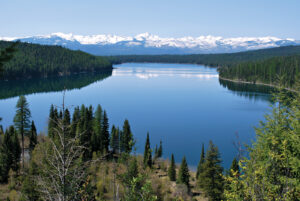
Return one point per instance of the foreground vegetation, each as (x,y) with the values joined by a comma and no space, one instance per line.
(32,60)
(82,159)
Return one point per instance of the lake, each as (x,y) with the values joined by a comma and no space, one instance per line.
(181,104)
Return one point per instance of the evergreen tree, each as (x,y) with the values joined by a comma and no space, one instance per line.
(67,118)
(147,153)
(53,116)
(155,152)
(115,139)
(127,141)
(234,167)
(4,166)
(183,174)
(105,133)
(172,169)
(15,149)
(32,138)
(160,150)
(201,162)
(75,121)
(10,152)
(97,135)
(211,179)
(87,132)
(21,121)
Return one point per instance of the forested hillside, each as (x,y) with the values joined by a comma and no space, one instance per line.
(280,71)
(31,60)
(211,59)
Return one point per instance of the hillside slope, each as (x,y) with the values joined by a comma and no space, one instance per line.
(32,60)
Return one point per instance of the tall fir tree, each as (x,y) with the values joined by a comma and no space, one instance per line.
(75,121)
(97,135)
(115,139)
(53,116)
(10,152)
(147,153)
(105,133)
(172,169)
(127,141)
(160,150)
(156,152)
(15,149)
(201,162)
(32,138)
(22,121)
(183,174)
(211,178)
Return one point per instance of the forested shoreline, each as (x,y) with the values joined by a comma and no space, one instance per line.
(40,61)
(283,71)
(274,66)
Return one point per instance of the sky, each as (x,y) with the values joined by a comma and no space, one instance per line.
(166,18)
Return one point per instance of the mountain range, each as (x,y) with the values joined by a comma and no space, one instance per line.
(146,43)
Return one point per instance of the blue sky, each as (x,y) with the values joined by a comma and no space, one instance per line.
(227,18)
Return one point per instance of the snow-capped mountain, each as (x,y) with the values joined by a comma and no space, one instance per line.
(152,44)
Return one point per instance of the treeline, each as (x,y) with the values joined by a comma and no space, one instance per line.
(214,60)
(92,129)
(281,71)
(32,60)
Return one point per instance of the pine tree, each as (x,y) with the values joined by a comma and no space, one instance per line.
(160,150)
(201,162)
(4,166)
(32,138)
(211,179)
(105,132)
(183,174)
(155,152)
(21,121)
(172,169)
(97,135)
(234,167)
(53,116)
(115,139)
(127,141)
(10,152)
(15,149)
(75,121)
(147,153)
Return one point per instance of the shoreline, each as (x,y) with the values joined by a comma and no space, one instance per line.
(258,83)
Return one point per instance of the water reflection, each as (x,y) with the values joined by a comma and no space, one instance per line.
(148,73)
(9,89)
(250,91)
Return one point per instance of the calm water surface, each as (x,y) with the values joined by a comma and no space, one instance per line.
(182,105)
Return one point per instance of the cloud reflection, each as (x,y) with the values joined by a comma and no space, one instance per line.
(146,73)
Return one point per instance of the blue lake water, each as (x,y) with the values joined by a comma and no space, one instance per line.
(182,105)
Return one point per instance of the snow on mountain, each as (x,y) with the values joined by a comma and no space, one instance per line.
(146,43)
